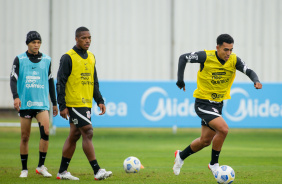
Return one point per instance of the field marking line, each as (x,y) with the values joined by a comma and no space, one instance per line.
(7,124)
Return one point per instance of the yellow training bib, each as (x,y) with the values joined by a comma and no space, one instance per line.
(215,80)
(80,85)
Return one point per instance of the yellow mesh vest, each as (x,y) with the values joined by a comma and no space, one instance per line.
(215,80)
(80,84)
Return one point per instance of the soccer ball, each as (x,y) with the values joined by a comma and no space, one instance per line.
(131,165)
(224,174)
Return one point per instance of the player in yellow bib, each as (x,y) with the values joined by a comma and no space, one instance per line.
(214,80)
(76,87)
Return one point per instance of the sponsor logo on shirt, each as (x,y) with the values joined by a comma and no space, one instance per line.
(215,95)
(31,82)
(192,56)
(85,100)
(30,103)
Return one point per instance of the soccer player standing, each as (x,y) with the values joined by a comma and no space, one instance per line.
(31,82)
(77,85)
(214,80)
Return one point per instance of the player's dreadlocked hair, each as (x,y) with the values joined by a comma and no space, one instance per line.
(80,29)
(224,38)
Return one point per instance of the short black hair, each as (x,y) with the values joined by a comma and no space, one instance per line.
(80,29)
(224,38)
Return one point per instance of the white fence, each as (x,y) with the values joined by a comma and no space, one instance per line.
(142,39)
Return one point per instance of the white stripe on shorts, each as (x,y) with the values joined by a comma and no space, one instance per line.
(80,115)
(209,112)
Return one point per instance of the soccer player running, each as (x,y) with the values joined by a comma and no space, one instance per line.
(214,80)
(77,85)
(31,82)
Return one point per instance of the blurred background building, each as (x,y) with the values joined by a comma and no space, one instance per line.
(143,39)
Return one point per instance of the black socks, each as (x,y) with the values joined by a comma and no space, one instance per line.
(42,156)
(64,164)
(215,156)
(186,152)
(95,166)
(24,161)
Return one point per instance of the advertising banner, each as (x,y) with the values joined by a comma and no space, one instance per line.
(163,104)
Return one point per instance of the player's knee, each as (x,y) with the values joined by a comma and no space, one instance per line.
(224,131)
(89,133)
(44,133)
(75,136)
(206,142)
(25,138)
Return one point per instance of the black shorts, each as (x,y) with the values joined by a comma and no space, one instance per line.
(80,116)
(30,113)
(208,110)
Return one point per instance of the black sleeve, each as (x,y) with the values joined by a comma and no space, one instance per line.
(62,77)
(242,67)
(193,57)
(97,95)
(14,78)
(52,87)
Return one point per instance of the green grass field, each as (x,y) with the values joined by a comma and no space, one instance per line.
(254,154)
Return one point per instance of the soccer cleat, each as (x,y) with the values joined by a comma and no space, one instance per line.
(24,174)
(213,168)
(66,176)
(102,174)
(43,171)
(178,162)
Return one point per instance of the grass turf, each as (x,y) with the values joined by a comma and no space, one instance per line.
(254,154)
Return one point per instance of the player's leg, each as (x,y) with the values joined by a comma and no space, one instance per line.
(25,134)
(87,145)
(43,123)
(205,140)
(207,111)
(70,143)
(67,153)
(221,129)
(88,148)
(86,129)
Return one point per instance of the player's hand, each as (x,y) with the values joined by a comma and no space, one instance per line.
(17,104)
(258,85)
(181,84)
(102,109)
(55,111)
(65,113)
